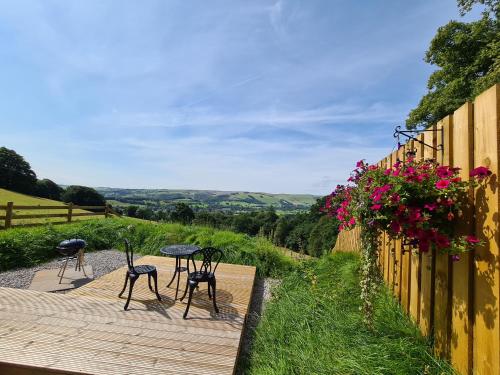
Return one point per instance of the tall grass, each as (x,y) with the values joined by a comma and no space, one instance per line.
(22,247)
(314,326)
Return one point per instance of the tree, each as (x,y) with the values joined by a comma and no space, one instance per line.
(182,213)
(131,211)
(82,196)
(323,236)
(468,57)
(15,172)
(48,189)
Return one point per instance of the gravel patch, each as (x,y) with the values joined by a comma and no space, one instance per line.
(262,293)
(102,262)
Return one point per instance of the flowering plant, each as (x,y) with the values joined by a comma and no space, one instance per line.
(415,200)
(418,201)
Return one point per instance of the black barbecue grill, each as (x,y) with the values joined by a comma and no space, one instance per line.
(70,249)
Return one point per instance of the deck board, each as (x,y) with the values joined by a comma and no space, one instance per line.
(86,331)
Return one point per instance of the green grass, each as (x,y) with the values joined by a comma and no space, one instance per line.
(313,326)
(27,200)
(23,247)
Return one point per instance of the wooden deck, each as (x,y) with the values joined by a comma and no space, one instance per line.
(87,331)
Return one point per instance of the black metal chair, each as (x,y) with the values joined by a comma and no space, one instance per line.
(206,274)
(134,272)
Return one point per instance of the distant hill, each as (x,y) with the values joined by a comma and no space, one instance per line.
(212,200)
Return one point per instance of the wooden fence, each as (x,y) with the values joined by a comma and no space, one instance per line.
(457,303)
(66,212)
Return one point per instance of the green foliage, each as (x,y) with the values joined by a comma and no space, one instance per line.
(323,236)
(182,213)
(468,57)
(15,172)
(48,189)
(23,247)
(83,196)
(314,326)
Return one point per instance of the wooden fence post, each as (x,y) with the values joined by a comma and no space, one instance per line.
(8,214)
(70,212)
(428,260)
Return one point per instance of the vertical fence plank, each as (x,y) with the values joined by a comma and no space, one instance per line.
(461,306)
(416,257)
(427,265)
(442,292)
(405,271)
(486,270)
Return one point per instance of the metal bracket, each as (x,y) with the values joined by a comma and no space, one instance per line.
(411,134)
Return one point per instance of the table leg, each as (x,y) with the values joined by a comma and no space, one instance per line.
(178,279)
(175,272)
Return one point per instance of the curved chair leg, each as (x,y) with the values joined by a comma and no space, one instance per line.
(191,290)
(132,282)
(213,292)
(149,282)
(124,285)
(185,290)
(154,275)
(209,294)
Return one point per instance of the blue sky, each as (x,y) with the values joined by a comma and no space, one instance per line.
(274,96)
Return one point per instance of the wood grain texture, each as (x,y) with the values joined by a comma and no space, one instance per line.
(486,270)
(87,331)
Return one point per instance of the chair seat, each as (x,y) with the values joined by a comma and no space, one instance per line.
(201,276)
(142,269)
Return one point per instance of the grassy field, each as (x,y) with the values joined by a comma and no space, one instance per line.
(313,326)
(27,200)
(23,247)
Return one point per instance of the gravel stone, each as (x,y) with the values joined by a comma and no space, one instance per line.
(102,262)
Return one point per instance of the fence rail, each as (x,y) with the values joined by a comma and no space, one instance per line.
(11,213)
(457,303)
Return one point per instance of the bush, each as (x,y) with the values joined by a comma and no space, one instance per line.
(24,247)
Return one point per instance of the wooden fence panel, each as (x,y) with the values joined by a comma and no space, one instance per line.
(428,265)
(486,272)
(461,301)
(442,293)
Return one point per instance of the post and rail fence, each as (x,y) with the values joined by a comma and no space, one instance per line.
(455,303)
(11,213)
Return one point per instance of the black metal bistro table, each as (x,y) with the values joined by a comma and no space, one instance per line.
(178,251)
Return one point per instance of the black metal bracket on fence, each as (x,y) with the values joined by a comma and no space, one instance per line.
(411,135)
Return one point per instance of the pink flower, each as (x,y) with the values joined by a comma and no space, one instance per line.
(372,168)
(360,164)
(444,172)
(395,227)
(455,258)
(480,172)
(376,207)
(442,241)
(352,221)
(430,206)
(442,184)
(387,172)
(472,239)
(395,198)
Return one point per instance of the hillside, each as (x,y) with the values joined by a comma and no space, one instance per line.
(212,200)
(27,200)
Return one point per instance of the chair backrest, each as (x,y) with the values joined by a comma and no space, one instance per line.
(129,251)
(210,256)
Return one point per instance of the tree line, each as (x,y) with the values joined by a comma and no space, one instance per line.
(16,175)
(312,232)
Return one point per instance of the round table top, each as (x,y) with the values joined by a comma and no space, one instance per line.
(179,250)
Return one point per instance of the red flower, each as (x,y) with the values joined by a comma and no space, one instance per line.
(480,172)
(472,239)
(444,172)
(442,184)
(451,216)
(376,207)
(352,221)
(442,241)
(430,206)
(395,227)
